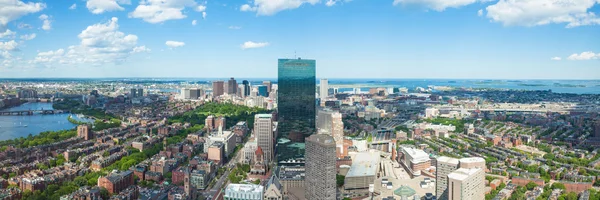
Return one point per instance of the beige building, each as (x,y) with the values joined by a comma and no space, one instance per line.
(415,160)
(273,189)
(466,184)
(462,179)
(320,182)
(445,165)
(263,131)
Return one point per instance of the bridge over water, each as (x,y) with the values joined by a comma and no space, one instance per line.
(30,112)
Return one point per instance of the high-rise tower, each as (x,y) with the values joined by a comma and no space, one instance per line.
(320,181)
(296,107)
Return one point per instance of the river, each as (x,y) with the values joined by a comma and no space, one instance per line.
(22,125)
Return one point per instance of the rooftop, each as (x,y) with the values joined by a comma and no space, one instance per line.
(463,173)
(417,155)
(446,159)
(364,164)
(472,160)
(245,188)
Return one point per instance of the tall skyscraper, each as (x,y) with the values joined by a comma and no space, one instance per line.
(269,85)
(323,89)
(232,86)
(263,131)
(296,107)
(133,92)
(196,93)
(246,86)
(217,88)
(140,92)
(185,93)
(262,91)
(445,166)
(320,181)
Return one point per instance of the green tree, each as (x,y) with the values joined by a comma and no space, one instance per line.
(530,185)
(339,179)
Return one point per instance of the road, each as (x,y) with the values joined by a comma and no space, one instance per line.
(230,165)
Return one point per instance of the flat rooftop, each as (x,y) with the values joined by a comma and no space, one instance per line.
(245,188)
(364,164)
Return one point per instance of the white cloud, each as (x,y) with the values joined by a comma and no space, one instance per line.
(100,44)
(194,22)
(541,12)
(11,10)
(8,33)
(47,24)
(247,8)
(333,2)
(235,27)
(9,46)
(480,12)
(28,36)
(437,5)
(588,55)
(140,49)
(270,7)
(101,6)
(24,26)
(203,15)
(174,44)
(73,7)
(157,11)
(252,45)
(330,2)
(556,58)
(201,8)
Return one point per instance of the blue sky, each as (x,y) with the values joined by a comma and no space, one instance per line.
(506,39)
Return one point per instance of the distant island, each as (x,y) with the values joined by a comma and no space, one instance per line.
(531,84)
(567,85)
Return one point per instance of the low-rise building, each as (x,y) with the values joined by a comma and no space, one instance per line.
(244,192)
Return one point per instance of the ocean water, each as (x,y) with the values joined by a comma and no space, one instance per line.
(558,86)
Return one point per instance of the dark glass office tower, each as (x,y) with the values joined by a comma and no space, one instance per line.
(246,88)
(296,107)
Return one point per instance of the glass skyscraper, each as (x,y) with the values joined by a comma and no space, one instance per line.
(296,107)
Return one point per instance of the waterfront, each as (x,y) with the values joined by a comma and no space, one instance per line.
(12,127)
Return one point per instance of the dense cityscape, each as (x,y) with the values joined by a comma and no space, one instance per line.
(299,100)
(295,138)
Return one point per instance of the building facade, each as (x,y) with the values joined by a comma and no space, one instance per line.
(263,131)
(320,165)
(218,89)
(445,165)
(323,90)
(296,107)
(232,86)
(244,192)
(466,184)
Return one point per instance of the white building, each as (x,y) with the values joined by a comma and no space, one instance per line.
(225,137)
(248,151)
(244,192)
(466,184)
(445,165)
(323,90)
(431,112)
(415,160)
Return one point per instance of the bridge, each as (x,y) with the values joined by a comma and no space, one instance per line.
(30,112)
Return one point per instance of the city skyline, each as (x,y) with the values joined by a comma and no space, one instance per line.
(404,39)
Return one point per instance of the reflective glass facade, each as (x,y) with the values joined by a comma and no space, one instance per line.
(296,107)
